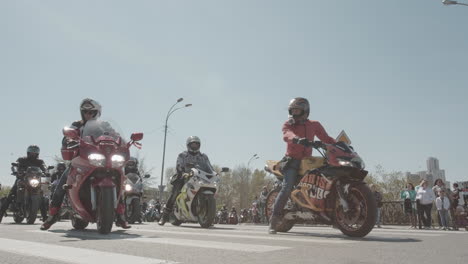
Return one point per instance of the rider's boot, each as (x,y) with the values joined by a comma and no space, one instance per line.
(273,223)
(120,221)
(52,219)
(164,216)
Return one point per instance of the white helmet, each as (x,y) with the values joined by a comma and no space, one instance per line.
(90,105)
(193,139)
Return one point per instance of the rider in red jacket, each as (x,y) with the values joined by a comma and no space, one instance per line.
(297,131)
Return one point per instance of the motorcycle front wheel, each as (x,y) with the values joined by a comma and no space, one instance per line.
(360,218)
(135,211)
(32,208)
(206,210)
(105,210)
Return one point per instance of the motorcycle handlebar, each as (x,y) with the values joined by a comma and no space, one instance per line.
(309,143)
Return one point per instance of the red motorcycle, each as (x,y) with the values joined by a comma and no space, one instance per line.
(96,180)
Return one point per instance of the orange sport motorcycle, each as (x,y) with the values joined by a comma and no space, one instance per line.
(329,190)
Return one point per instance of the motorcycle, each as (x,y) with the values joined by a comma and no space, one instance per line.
(28,195)
(244,216)
(196,202)
(152,214)
(132,196)
(221,217)
(255,215)
(330,190)
(233,220)
(95,182)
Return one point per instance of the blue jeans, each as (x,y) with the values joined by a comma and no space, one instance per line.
(290,177)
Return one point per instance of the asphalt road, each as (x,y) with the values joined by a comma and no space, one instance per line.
(226,244)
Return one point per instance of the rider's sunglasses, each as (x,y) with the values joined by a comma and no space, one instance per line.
(89,112)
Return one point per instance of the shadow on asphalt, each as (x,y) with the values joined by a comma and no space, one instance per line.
(367,238)
(90,234)
(212,227)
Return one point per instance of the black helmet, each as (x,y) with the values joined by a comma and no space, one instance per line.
(194,148)
(299,103)
(61,166)
(90,105)
(33,151)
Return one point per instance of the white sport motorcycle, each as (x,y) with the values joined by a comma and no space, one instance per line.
(196,202)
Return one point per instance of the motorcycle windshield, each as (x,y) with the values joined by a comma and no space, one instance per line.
(133,177)
(34,172)
(99,130)
(205,168)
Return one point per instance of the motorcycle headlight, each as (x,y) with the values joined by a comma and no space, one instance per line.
(128,187)
(117,161)
(97,159)
(34,183)
(345,163)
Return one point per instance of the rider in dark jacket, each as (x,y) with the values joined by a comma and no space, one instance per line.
(185,162)
(90,110)
(60,168)
(32,159)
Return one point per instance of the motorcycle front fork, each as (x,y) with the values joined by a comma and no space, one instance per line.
(341,197)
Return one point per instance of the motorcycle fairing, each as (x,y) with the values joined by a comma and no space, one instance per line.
(312,192)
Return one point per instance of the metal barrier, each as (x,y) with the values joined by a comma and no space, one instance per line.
(393,213)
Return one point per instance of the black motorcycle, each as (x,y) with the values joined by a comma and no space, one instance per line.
(28,195)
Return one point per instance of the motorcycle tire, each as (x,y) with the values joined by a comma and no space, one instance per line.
(135,212)
(105,210)
(18,219)
(361,202)
(284,226)
(270,202)
(206,210)
(77,223)
(33,207)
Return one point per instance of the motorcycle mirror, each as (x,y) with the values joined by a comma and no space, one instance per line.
(224,169)
(147,175)
(50,167)
(14,164)
(70,132)
(136,136)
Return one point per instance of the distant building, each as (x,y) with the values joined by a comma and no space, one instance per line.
(432,173)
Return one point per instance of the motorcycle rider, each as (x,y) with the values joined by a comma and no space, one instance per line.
(132,166)
(32,159)
(90,110)
(185,161)
(298,130)
(60,168)
(262,203)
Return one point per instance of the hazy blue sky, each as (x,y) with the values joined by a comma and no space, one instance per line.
(393,74)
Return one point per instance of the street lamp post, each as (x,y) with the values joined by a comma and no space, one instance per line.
(254,157)
(450,2)
(169,113)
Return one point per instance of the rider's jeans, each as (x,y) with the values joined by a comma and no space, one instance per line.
(59,193)
(290,177)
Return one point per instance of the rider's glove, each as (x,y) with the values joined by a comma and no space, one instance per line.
(301,141)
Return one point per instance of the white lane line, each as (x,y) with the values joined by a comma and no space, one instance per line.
(72,254)
(278,237)
(293,232)
(244,247)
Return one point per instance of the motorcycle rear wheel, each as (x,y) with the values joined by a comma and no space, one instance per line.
(361,217)
(77,223)
(105,210)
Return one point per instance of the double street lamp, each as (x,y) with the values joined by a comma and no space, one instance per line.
(254,157)
(450,2)
(169,113)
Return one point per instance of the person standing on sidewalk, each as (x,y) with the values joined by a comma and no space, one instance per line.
(425,197)
(443,204)
(409,197)
(378,200)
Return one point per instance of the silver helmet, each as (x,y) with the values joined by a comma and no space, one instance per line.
(90,105)
(193,147)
